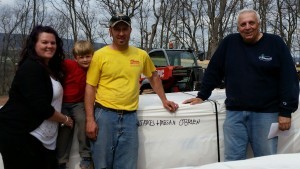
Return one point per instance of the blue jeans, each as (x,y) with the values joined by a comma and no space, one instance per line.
(116,146)
(242,128)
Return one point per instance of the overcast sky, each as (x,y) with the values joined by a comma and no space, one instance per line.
(7,1)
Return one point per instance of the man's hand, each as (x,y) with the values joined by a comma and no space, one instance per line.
(157,86)
(171,106)
(193,101)
(284,123)
(91,129)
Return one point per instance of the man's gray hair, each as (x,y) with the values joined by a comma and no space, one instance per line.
(245,10)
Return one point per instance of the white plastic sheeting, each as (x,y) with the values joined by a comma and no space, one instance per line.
(187,139)
(279,161)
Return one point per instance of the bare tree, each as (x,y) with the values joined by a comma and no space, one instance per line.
(143,19)
(263,7)
(168,12)
(192,19)
(33,14)
(200,24)
(128,7)
(10,20)
(70,6)
(219,13)
(87,18)
(287,20)
(157,15)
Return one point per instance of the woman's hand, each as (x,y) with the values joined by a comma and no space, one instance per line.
(68,122)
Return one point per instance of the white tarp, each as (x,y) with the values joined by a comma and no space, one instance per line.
(279,161)
(185,138)
(188,138)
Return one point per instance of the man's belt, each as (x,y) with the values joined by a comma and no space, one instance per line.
(114,110)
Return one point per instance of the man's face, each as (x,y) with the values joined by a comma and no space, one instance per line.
(120,34)
(248,27)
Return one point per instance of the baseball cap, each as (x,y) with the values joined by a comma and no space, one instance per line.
(119,18)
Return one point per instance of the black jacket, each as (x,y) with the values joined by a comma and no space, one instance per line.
(30,98)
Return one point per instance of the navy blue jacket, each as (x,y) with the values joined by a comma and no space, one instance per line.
(30,98)
(258,77)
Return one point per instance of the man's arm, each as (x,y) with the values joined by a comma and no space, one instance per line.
(193,101)
(89,100)
(289,85)
(159,90)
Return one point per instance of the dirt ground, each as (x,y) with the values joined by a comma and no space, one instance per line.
(3,100)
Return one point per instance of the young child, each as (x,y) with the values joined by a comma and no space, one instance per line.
(73,105)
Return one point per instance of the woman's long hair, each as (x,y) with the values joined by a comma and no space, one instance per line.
(55,63)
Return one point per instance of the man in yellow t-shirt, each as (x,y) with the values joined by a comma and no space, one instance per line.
(111,98)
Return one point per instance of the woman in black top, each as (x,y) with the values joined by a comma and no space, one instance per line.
(30,103)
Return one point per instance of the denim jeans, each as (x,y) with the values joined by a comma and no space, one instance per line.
(242,128)
(116,146)
(65,134)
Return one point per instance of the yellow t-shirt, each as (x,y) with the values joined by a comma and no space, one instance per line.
(116,75)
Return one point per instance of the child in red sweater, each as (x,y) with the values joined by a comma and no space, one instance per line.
(73,105)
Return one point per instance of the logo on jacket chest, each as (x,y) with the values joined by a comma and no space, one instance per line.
(265,58)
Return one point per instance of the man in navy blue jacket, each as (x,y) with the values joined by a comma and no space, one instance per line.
(261,87)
